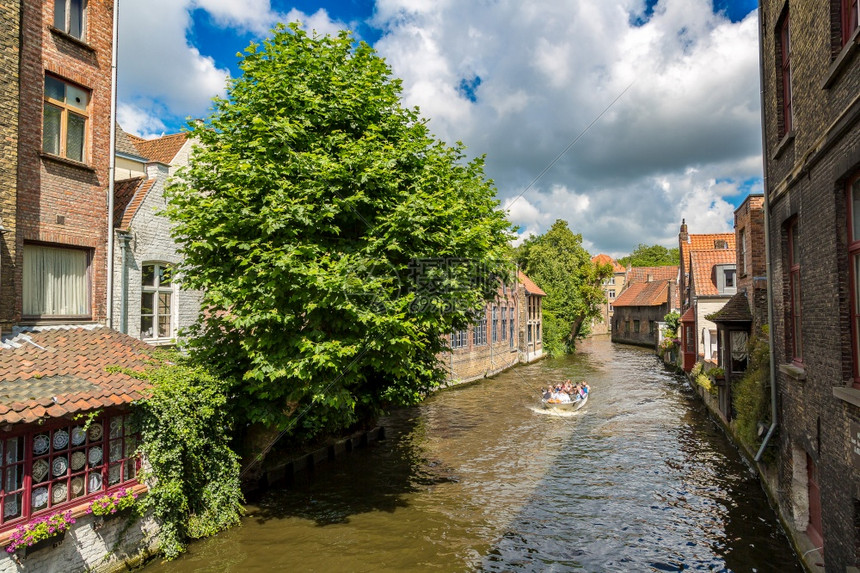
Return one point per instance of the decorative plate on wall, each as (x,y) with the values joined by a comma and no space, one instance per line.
(60,465)
(95,455)
(58,493)
(77,486)
(40,496)
(78,436)
(40,470)
(79,459)
(41,444)
(61,439)
(95,482)
(95,432)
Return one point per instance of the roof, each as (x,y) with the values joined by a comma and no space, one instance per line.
(125,143)
(162,149)
(531,287)
(640,274)
(689,316)
(54,371)
(643,294)
(702,269)
(737,309)
(704,242)
(128,197)
(602,259)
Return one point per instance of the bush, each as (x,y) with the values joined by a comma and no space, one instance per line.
(751,395)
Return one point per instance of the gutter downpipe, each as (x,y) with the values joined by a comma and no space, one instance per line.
(770,313)
(123,291)
(112,165)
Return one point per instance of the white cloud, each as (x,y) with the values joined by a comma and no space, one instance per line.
(162,76)
(548,68)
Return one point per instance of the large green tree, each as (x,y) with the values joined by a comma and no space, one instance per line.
(651,256)
(336,241)
(561,266)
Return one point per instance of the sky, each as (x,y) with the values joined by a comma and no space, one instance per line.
(622,117)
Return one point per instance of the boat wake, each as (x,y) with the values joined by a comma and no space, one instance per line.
(554,412)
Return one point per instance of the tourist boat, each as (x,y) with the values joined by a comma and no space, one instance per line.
(571,406)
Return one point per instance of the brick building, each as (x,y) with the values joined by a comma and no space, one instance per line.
(650,294)
(612,287)
(55,346)
(811,81)
(706,281)
(510,332)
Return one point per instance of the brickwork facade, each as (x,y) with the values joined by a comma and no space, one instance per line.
(807,171)
(751,257)
(61,201)
(10,32)
(487,354)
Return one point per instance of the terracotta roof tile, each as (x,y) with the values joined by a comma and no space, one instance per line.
(702,269)
(77,359)
(704,242)
(531,287)
(602,259)
(125,143)
(162,149)
(643,294)
(641,274)
(689,316)
(134,204)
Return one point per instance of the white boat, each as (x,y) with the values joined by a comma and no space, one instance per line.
(573,405)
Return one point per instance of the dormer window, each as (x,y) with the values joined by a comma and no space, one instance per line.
(726,279)
(721,244)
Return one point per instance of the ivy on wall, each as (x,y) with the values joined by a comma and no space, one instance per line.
(193,474)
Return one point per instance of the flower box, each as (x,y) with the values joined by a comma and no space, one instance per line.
(53,541)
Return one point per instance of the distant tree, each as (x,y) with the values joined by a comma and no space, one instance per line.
(651,256)
(561,266)
(336,242)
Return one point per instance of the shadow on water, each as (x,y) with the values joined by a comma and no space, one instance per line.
(478,478)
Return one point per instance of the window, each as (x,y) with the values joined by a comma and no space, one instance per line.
(56,282)
(651,327)
(726,279)
(738,341)
(155,302)
(742,251)
(504,313)
(627,326)
(612,293)
(636,326)
(854,260)
(720,244)
(612,280)
(610,308)
(495,325)
(65,119)
(729,278)
(70,16)
(795,318)
(62,464)
(784,35)
(458,339)
(480,333)
(512,327)
(850,10)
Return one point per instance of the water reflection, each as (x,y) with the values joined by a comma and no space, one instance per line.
(476,479)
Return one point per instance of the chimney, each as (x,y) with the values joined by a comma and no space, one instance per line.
(671,291)
(683,236)
(649,278)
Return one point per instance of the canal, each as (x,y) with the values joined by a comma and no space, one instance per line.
(478,478)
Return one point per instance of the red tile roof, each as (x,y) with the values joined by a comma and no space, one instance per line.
(133,202)
(689,316)
(640,274)
(61,371)
(531,287)
(602,259)
(163,149)
(702,269)
(643,294)
(123,192)
(706,242)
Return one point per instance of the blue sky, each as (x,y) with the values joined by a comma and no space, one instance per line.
(661,96)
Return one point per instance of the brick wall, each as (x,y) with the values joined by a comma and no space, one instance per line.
(61,201)
(625,315)
(805,176)
(10,13)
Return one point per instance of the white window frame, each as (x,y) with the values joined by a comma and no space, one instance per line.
(157,289)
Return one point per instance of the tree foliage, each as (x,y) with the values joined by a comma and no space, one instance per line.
(561,266)
(185,433)
(336,241)
(651,256)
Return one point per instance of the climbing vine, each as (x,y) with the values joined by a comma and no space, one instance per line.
(751,393)
(193,472)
